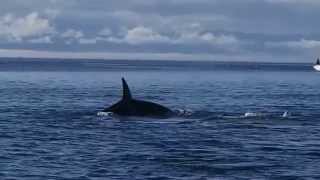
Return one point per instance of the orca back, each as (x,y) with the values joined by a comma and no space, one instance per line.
(128,106)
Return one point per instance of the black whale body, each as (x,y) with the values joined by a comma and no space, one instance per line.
(129,106)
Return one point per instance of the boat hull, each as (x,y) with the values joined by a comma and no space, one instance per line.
(316,67)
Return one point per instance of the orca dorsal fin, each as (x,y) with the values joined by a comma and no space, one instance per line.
(126,90)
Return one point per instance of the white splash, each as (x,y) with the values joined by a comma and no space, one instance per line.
(107,114)
(183,112)
(251,114)
(285,114)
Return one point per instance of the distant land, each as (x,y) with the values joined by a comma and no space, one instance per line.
(18,53)
(59,64)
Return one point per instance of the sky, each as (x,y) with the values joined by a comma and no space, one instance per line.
(217,30)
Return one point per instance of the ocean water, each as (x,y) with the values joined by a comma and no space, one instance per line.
(240,121)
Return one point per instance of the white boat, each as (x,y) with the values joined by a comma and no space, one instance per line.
(317,65)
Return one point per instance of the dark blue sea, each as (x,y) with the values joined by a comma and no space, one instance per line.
(238,120)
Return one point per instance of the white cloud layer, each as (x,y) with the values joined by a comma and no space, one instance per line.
(301,44)
(71,33)
(52,13)
(105,32)
(141,34)
(18,28)
(295,1)
(41,40)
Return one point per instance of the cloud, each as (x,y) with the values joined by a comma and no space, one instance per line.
(51,13)
(105,32)
(139,35)
(73,34)
(294,1)
(18,28)
(301,44)
(207,37)
(143,35)
(41,40)
(88,41)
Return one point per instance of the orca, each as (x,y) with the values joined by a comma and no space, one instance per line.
(128,106)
